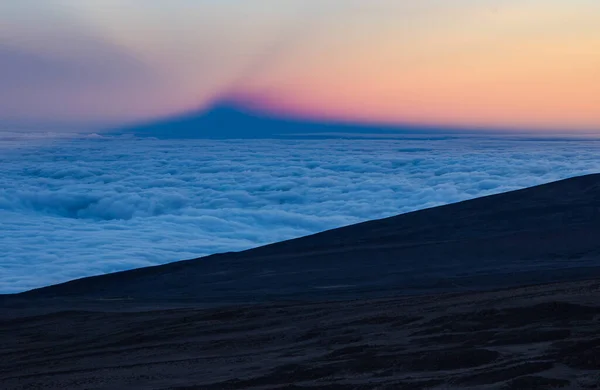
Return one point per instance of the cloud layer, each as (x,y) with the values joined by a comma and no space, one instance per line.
(74,208)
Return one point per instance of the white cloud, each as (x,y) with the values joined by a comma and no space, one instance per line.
(82,207)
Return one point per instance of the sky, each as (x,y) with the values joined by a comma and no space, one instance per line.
(515,64)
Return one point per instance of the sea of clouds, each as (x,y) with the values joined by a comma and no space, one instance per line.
(77,207)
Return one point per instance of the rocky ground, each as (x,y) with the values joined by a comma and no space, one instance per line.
(540,337)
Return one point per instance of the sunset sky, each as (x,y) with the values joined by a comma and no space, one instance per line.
(486,63)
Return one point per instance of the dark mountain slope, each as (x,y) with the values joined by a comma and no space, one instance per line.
(541,234)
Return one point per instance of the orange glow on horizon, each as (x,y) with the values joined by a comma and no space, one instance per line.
(501,78)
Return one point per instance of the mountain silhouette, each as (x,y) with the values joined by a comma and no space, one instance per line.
(228,120)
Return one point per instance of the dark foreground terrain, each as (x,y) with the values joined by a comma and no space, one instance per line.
(541,337)
(399,303)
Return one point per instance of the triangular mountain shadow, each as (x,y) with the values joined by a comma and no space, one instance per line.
(228,120)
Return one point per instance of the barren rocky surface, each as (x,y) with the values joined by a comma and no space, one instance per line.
(539,337)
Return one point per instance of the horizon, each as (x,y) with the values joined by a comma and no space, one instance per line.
(371,129)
